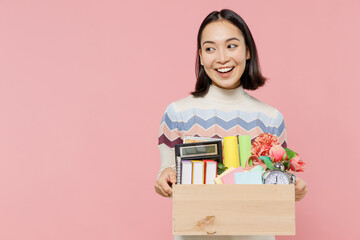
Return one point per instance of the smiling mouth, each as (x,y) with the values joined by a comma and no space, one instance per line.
(224,70)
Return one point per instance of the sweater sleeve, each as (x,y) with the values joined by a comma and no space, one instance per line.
(169,135)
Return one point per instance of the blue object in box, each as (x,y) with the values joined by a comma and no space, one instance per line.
(248,177)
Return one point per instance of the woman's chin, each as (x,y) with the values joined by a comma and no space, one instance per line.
(227,84)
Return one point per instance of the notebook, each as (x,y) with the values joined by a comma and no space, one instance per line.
(230,178)
(186,171)
(191,139)
(210,171)
(198,172)
(218,178)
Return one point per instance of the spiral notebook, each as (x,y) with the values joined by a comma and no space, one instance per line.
(192,139)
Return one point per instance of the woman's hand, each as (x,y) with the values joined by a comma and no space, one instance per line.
(300,189)
(166,178)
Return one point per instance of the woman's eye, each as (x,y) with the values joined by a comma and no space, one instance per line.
(209,49)
(232,46)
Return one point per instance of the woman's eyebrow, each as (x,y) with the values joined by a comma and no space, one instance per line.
(227,40)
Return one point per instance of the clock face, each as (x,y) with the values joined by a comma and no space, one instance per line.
(276,177)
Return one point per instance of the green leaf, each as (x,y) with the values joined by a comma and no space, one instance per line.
(267,161)
(290,153)
(221,168)
(287,165)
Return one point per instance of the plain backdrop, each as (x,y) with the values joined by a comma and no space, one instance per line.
(84,84)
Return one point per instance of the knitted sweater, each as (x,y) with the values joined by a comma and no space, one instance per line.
(218,114)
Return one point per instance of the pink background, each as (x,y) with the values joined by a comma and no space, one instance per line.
(84,84)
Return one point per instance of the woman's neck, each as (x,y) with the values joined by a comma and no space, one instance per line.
(226,96)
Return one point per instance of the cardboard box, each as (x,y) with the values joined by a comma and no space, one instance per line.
(234,209)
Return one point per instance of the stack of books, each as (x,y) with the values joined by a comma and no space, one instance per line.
(197,162)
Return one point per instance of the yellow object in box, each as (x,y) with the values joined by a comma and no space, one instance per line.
(231,152)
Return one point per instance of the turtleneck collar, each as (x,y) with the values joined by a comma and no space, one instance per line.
(226,96)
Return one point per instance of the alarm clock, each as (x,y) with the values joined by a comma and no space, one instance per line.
(278,175)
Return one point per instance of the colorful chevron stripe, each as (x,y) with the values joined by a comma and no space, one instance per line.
(213,122)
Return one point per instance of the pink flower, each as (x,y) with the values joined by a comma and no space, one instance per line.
(255,161)
(298,163)
(277,153)
(262,144)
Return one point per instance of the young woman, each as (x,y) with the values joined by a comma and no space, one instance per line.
(227,63)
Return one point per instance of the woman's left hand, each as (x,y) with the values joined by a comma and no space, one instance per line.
(300,189)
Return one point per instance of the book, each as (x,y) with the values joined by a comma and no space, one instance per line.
(198,172)
(210,171)
(186,171)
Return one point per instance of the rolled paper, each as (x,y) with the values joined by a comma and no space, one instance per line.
(244,149)
(231,152)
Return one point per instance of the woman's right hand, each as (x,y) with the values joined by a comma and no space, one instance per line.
(163,184)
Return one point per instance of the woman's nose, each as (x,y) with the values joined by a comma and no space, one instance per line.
(223,56)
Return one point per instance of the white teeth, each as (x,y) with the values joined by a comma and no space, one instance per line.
(224,70)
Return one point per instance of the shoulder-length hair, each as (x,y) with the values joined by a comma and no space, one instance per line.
(251,78)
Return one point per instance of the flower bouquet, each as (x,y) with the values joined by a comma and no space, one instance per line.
(266,151)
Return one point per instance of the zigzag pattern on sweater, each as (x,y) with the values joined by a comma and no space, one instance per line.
(175,125)
(205,114)
(226,125)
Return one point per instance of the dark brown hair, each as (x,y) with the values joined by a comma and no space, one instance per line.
(251,78)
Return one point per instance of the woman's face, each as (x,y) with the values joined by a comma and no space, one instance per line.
(223,53)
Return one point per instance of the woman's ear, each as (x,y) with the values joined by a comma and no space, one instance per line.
(247,53)
(200,55)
